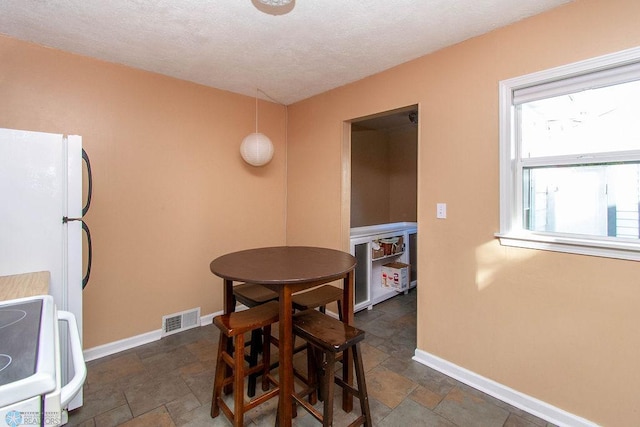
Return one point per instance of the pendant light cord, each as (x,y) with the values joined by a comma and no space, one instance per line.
(257,110)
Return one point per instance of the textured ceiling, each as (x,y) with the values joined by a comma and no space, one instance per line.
(241,46)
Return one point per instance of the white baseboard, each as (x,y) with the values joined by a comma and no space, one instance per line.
(138,340)
(135,341)
(121,345)
(515,398)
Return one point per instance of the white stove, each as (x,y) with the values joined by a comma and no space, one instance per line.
(31,392)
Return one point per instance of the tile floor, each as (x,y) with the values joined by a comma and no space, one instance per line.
(169,383)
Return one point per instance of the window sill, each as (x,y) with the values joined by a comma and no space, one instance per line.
(574,245)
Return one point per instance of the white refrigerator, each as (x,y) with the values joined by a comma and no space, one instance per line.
(40,217)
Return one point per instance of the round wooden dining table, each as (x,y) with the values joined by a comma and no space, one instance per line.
(286,270)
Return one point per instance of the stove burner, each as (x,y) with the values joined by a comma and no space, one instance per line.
(11,316)
(5,360)
(19,340)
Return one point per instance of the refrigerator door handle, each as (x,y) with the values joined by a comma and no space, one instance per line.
(85,227)
(85,279)
(85,157)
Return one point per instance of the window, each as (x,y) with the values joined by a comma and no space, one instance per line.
(570,158)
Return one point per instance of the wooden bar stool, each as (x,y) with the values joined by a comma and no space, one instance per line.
(235,325)
(253,295)
(318,298)
(327,337)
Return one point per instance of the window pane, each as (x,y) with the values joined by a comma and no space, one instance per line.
(591,121)
(596,200)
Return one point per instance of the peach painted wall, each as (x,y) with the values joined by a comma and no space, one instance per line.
(170,189)
(403,162)
(383,176)
(370,176)
(558,327)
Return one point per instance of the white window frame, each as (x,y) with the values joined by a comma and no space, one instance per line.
(512,232)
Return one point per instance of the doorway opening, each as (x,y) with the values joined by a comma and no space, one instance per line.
(382,202)
(384,151)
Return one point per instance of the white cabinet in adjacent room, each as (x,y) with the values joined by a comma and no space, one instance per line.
(376,246)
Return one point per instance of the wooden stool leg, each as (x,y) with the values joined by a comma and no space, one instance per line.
(312,374)
(317,372)
(256,342)
(229,372)
(238,396)
(221,369)
(266,356)
(229,387)
(329,366)
(362,387)
(339,302)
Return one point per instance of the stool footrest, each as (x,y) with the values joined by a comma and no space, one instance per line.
(255,369)
(361,420)
(351,389)
(250,404)
(270,379)
(307,406)
(262,398)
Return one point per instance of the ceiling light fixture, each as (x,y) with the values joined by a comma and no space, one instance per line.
(275,2)
(256,148)
(274,7)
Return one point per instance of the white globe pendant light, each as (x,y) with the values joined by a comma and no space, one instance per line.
(256,148)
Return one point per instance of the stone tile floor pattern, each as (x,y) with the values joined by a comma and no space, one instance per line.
(169,383)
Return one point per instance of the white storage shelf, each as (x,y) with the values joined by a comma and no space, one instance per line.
(368,277)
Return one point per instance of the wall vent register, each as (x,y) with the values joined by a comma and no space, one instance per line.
(178,322)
